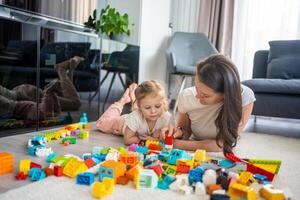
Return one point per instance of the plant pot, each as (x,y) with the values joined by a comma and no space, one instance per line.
(119,37)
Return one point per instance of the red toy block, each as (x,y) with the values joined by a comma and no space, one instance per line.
(89,162)
(58,170)
(35,165)
(250,167)
(21,176)
(169,140)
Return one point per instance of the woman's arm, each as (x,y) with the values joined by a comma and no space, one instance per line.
(192,145)
(247,110)
(130,137)
(184,122)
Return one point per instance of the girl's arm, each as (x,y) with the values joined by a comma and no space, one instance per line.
(130,137)
(247,110)
(192,145)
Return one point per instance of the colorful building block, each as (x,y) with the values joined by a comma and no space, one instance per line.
(237,190)
(58,170)
(146,179)
(86,178)
(6,162)
(104,188)
(269,193)
(111,169)
(24,166)
(74,167)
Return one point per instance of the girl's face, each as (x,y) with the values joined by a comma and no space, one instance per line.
(206,95)
(151,107)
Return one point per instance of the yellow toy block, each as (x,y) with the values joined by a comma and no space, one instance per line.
(24,166)
(237,191)
(171,169)
(245,178)
(272,166)
(200,155)
(148,142)
(6,162)
(104,188)
(269,193)
(74,167)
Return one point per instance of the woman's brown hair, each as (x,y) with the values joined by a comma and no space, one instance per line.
(221,75)
(153,88)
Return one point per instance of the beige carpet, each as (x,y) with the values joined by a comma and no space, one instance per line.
(250,146)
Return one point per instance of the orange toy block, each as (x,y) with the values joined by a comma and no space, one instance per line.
(212,188)
(133,172)
(122,180)
(119,168)
(130,159)
(6,162)
(269,193)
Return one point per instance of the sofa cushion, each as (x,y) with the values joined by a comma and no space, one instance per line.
(278,86)
(284,60)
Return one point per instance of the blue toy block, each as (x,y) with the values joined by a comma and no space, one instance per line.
(206,165)
(140,149)
(50,157)
(226,163)
(260,177)
(195,175)
(31,150)
(105,172)
(175,155)
(84,119)
(36,174)
(39,140)
(86,178)
(169,179)
(162,185)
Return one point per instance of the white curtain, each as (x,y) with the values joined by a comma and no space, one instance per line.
(72,10)
(256,22)
(184,15)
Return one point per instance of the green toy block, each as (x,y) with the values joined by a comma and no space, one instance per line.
(71,140)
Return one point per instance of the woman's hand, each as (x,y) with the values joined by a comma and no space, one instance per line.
(178,133)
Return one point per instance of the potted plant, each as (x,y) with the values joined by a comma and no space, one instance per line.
(110,22)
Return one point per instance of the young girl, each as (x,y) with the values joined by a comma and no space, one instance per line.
(216,110)
(150,114)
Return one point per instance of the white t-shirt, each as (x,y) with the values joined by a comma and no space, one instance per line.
(137,123)
(203,117)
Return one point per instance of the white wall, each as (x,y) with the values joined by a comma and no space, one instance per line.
(154,36)
(132,8)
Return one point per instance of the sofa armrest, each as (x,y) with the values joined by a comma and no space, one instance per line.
(260,64)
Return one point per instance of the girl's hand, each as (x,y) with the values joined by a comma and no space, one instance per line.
(146,137)
(168,130)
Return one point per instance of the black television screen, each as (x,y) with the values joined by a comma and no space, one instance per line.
(76,11)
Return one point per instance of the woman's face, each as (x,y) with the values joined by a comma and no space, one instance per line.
(206,95)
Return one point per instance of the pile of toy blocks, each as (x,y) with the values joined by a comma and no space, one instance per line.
(150,165)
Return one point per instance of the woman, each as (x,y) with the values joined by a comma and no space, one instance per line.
(216,110)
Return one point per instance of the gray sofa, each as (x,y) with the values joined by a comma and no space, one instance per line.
(276,80)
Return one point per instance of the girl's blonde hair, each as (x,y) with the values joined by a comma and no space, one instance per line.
(151,88)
